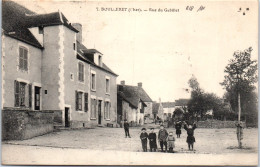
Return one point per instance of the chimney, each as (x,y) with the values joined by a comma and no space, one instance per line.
(78,26)
(140,84)
(123,82)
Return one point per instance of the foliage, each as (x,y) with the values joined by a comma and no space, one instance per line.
(241,76)
(201,101)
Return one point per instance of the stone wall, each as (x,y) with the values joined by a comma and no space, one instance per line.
(24,124)
(217,124)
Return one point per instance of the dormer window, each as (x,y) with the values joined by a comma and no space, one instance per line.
(100,60)
(40,30)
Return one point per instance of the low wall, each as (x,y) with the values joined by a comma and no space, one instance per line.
(217,124)
(25,124)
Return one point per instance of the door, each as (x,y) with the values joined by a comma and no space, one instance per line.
(67,121)
(37,96)
(99,111)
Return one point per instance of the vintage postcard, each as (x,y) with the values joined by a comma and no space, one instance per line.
(87,82)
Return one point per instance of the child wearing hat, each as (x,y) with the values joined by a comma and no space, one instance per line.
(152,140)
(170,142)
(143,138)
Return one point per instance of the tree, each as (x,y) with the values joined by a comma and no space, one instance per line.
(239,81)
(201,101)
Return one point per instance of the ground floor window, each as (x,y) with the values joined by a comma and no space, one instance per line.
(20,89)
(79,101)
(107,110)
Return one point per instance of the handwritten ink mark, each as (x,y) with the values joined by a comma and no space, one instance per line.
(244,12)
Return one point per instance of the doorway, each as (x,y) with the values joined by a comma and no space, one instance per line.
(99,111)
(37,100)
(67,121)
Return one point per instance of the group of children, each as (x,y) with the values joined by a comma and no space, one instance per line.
(166,140)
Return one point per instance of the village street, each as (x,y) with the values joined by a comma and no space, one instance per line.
(208,142)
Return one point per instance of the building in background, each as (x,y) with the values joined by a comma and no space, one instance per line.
(136,98)
(158,110)
(46,67)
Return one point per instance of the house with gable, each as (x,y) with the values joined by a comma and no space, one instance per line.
(158,111)
(45,67)
(131,103)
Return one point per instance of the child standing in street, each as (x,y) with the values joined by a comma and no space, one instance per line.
(144,137)
(170,142)
(152,140)
(126,127)
(178,129)
(162,136)
(190,132)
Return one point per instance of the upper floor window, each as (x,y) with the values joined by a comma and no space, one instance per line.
(100,61)
(93,81)
(23,58)
(74,46)
(81,72)
(107,85)
(40,30)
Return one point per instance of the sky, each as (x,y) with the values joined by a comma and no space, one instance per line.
(164,49)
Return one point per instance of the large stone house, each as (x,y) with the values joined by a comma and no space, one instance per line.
(131,103)
(46,67)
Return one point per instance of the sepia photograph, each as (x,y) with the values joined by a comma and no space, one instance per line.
(88,82)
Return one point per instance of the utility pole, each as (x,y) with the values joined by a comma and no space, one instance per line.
(239,123)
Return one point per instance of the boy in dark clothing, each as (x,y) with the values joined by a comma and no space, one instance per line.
(190,132)
(178,129)
(126,127)
(143,138)
(152,140)
(162,136)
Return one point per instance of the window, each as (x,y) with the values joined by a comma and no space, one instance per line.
(86,102)
(23,58)
(78,101)
(19,95)
(81,72)
(93,81)
(107,85)
(93,108)
(40,30)
(100,61)
(107,110)
(74,46)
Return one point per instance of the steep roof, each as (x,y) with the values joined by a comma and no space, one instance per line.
(168,104)
(133,94)
(81,50)
(155,107)
(181,102)
(16,21)
(132,103)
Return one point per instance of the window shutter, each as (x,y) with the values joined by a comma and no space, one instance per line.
(76,99)
(105,111)
(25,59)
(108,112)
(96,108)
(16,93)
(86,102)
(30,96)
